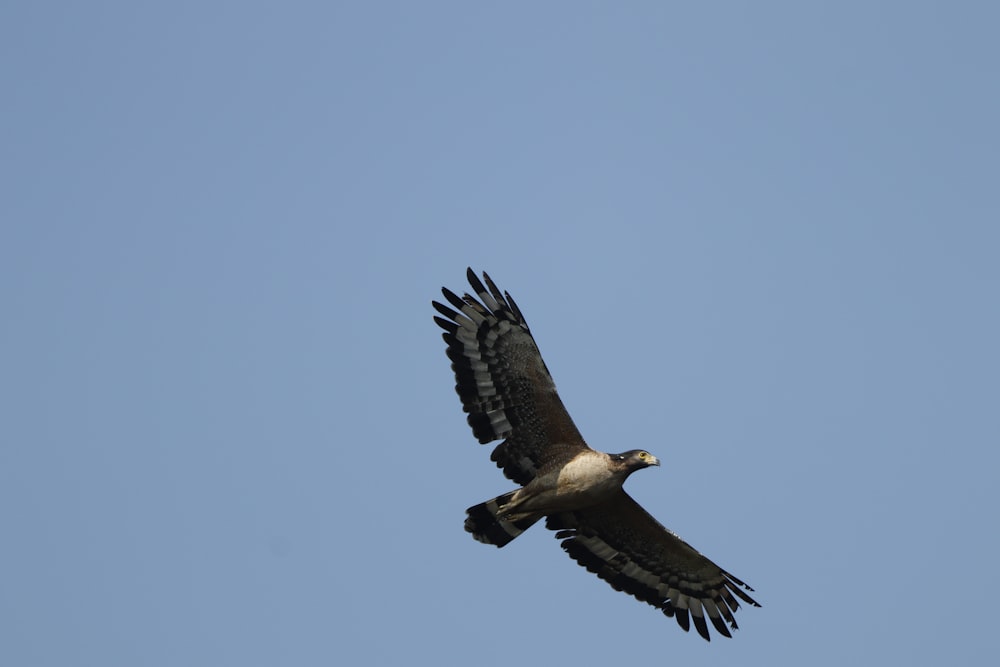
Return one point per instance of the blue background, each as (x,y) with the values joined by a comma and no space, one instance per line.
(758,239)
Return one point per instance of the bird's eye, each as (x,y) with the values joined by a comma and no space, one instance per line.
(643,455)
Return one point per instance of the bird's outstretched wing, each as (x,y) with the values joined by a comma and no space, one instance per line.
(503,382)
(623,544)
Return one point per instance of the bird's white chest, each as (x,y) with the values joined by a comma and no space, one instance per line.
(588,474)
(584,481)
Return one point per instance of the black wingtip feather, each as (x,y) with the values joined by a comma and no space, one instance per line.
(444,310)
(739,593)
(720,626)
(447,325)
(514,309)
(702,627)
(477,284)
(453,298)
(683,619)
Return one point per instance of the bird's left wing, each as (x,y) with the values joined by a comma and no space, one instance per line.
(623,544)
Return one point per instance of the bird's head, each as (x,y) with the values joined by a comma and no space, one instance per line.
(635,459)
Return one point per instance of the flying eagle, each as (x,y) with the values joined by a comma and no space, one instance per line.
(509,394)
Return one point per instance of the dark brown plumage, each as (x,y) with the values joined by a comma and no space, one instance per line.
(509,394)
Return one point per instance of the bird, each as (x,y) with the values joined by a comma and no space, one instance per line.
(509,395)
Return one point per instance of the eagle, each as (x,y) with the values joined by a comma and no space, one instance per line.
(509,395)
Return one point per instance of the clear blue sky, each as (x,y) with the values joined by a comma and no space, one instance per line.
(758,239)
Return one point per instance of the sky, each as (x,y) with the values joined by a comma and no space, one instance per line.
(759,240)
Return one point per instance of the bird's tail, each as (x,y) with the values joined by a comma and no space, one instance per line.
(484,525)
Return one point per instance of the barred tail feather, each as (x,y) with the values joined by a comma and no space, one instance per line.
(485,527)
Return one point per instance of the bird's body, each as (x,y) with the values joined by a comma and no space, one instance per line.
(508,393)
(588,479)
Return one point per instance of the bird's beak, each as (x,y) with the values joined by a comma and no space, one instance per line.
(655,461)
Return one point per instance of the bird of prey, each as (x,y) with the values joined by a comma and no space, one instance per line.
(509,394)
